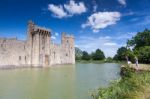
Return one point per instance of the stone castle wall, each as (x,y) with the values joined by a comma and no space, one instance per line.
(37,50)
(12,52)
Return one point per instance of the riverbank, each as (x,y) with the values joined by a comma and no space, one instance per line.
(133,84)
(100,61)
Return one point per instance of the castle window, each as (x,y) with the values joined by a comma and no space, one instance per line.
(67,41)
(24,47)
(66,54)
(19,58)
(25,58)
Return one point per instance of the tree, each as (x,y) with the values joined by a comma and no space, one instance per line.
(141,39)
(98,55)
(144,54)
(78,53)
(109,59)
(115,57)
(141,45)
(121,54)
(124,54)
(85,56)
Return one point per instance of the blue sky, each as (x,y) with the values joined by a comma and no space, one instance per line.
(104,24)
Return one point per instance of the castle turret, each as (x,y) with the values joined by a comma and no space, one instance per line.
(68,48)
(30,31)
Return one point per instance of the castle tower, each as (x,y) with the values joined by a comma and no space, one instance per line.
(68,49)
(30,31)
(39,42)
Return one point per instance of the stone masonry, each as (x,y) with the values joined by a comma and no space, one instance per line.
(37,50)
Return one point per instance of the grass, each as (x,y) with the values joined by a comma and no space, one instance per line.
(133,85)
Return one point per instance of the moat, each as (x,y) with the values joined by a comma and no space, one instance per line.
(61,82)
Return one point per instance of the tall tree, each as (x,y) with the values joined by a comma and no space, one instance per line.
(144,54)
(121,54)
(141,39)
(85,56)
(78,53)
(141,45)
(98,55)
(141,48)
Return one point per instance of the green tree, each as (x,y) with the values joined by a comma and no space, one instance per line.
(121,54)
(78,53)
(109,59)
(144,54)
(98,55)
(85,56)
(141,39)
(141,45)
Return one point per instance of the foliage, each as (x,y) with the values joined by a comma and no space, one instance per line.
(85,56)
(98,55)
(133,85)
(109,59)
(140,40)
(141,48)
(144,54)
(78,53)
(121,53)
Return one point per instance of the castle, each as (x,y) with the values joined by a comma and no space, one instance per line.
(38,50)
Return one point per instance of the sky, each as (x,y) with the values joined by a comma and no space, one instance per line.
(103,24)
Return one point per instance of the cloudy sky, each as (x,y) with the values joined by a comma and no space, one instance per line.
(104,24)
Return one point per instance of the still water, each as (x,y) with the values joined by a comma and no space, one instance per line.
(61,82)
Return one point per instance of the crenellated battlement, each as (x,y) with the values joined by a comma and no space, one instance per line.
(41,29)
(38,49)
(67,35)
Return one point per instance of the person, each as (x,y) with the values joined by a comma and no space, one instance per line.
(136,63)
(128,62)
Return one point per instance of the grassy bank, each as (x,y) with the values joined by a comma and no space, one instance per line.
(100,61)
(133,85)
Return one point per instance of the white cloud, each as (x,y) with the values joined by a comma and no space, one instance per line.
(95,30)
(67,10)
(58,11)
(122,2)
(125,36)
(106,44)
(75,8)
(95,8)
(110,44)
(53,37)
(101,20)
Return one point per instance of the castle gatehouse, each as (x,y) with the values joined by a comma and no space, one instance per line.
(37,50)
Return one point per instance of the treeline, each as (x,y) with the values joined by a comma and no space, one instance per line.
(138,46)
(84,55)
